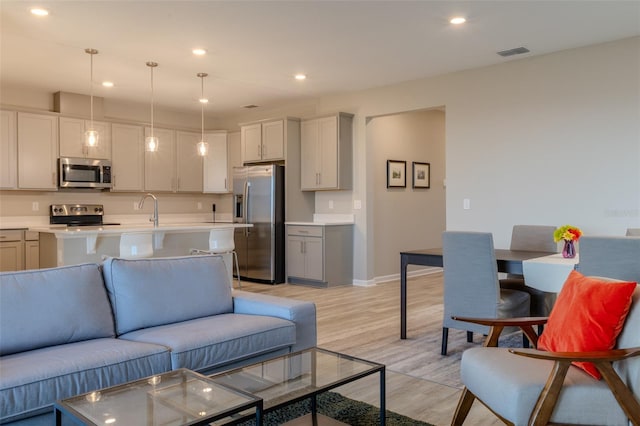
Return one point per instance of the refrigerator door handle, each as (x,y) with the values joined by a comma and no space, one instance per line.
(245,213)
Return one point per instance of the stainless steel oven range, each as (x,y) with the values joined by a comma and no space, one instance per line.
(77,215)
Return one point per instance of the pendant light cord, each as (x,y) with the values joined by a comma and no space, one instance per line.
(151,100)
(91,89)
(202,106)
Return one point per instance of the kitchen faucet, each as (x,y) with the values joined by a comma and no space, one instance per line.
(153,218)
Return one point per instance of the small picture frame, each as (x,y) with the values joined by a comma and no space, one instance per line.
(421,175)
(396,174)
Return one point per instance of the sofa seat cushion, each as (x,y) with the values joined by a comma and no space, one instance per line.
(46,307)
(516,382)
(30,382)
(205,343)
(157,291)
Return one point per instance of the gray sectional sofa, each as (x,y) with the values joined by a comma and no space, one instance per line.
(70,330)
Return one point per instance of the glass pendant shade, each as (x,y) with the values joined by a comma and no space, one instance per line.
(91,136)
(202,147)
(151,144)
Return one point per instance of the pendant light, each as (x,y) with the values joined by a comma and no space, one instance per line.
(202,146)
(151,142)
(91,136)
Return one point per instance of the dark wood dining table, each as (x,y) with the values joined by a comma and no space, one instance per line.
(509,261)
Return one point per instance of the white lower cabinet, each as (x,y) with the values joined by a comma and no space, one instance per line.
(320,255)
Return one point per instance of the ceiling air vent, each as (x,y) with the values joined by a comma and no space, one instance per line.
(250,106)
(514,51)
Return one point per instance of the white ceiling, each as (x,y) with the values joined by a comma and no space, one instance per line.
(255,47)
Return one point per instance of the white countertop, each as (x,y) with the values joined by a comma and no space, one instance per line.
(326,219)
(62,231)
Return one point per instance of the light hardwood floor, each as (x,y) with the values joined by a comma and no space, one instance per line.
(365,322)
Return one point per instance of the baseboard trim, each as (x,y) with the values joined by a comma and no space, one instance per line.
(396,277)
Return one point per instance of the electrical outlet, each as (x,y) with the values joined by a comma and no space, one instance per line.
(357,204)
(331,204)
(35,206)
(135,205)
(199,206)
(466,204)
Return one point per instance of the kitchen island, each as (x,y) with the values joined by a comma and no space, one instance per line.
(61,245)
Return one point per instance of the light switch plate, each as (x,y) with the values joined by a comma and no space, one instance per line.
(466,204)
(357,204)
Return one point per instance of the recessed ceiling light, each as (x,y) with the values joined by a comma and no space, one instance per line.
(199,51)
(107,83)
(300,77)
(39,11)
(458,20)
(203,100)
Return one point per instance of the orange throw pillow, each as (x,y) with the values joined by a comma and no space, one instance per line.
(588,316)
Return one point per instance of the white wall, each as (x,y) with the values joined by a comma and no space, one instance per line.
(552,139)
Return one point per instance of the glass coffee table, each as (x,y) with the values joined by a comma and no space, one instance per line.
(179,397)
(302,375)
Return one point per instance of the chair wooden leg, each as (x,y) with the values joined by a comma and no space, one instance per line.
(469,336)
(464,405)
(625,398)
(445,337)
(549,396)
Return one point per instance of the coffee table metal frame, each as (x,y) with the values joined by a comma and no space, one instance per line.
(66,406)
(227,378)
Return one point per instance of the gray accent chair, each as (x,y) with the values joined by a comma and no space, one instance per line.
(471,284)
(613,257)
(532,238)
(530,387)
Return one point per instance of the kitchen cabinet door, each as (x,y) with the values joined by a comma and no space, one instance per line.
(273,140)
(31,254)
(325,153)
(251,142)
(296,260)
(160,166)
(11,256)
(37,151)
(71,138)
(216,170)
(127,151)
(188,162)
(8,150)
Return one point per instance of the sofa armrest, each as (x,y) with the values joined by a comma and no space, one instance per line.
(302,313)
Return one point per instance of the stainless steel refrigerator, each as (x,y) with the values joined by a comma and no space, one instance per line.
(258,197)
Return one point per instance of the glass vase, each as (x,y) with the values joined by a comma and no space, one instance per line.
(569,249)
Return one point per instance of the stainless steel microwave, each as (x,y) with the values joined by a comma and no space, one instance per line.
(84,173)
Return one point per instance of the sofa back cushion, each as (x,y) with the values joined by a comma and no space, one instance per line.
(157,291)
(47,307)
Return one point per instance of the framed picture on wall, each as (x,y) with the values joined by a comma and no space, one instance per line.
(396,174)
(421,175)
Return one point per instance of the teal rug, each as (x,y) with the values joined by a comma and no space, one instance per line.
(338,407)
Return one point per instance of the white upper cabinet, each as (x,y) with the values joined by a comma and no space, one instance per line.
(216,170)
(8,150)
(127,152)
(262,141)
(37,151)
(160,166)
(188,162)
(326,153)
(72,138)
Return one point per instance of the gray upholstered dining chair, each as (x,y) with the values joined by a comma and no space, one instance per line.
(532,238)
(471,286)
(613,257)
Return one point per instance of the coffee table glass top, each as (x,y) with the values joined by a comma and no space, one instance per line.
(298,375)
(179,397)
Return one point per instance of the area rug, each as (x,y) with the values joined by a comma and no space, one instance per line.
(338,407)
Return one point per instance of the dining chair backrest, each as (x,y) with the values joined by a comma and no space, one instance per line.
(633,232)
(613,257)
(533,238)
(471,286)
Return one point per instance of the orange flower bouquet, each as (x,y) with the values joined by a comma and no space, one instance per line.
(569,234)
